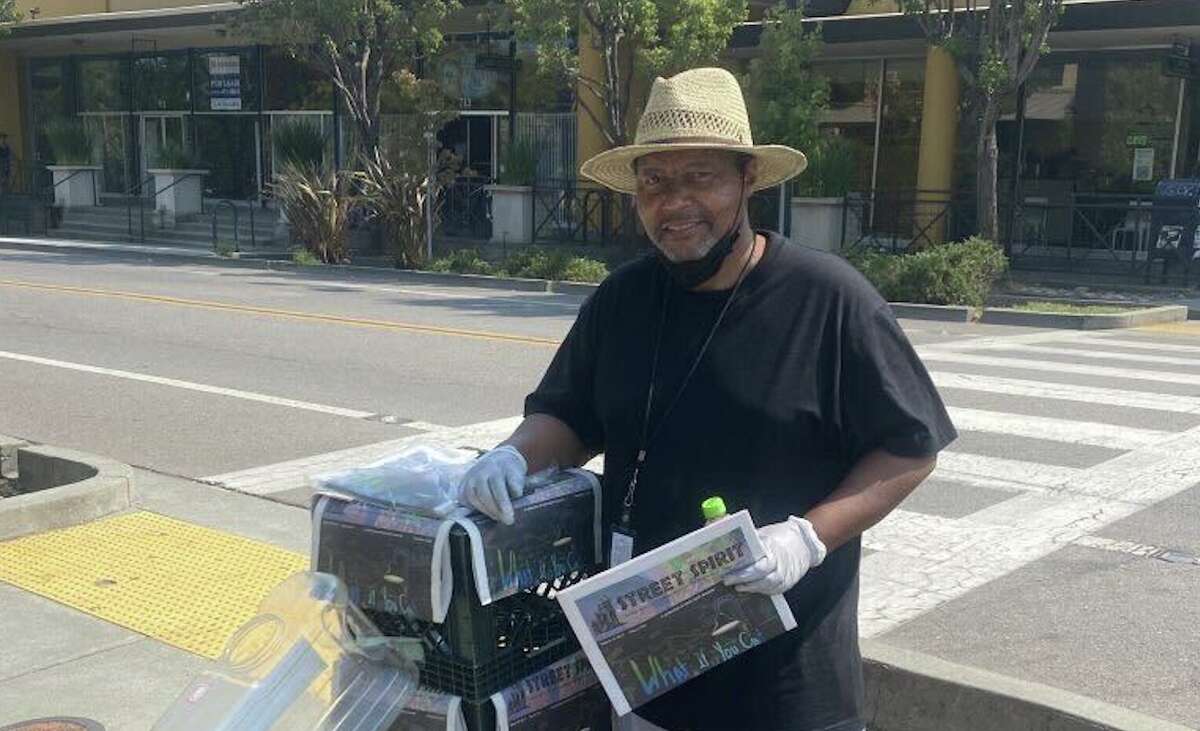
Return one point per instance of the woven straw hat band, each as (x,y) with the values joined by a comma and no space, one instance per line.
(705,103)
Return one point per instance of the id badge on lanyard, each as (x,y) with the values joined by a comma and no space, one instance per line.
(621,548)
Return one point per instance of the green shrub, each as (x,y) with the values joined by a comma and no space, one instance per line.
(536,264)
(304,258)
(463,261)
(70,142)
(582,269)
(960,273)
(317,203)
(832,165)
(298,143)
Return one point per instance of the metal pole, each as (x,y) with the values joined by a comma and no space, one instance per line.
(1017,206)
(429,138)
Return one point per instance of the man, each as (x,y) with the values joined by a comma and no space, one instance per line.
(733,363)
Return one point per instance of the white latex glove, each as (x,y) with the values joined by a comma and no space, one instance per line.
(792,549)
(492,483)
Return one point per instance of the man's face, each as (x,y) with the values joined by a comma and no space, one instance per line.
(688,199)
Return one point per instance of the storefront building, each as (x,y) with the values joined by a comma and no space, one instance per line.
(1106,113)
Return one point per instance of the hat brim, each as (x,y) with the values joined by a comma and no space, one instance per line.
(614,168)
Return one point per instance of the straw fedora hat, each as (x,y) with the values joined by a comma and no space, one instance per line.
(697,109)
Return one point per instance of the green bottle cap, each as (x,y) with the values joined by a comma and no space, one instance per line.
(713,508)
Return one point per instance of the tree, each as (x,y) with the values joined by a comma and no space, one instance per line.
(996,45)
(632,37)
(8,14)
(787,95)
(359,44)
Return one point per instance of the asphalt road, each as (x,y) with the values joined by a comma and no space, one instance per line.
(1057,542)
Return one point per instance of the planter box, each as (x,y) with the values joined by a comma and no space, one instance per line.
(824,223)
(177,194)
(512,214)
(75,185)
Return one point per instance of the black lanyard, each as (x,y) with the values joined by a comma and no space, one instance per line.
(647,435)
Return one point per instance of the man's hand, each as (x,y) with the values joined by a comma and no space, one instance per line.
(792,549)
(494,481)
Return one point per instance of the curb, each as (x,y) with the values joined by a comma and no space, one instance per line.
(249,261)
(910,691)
(69,488)
(1133,318)
(942,313)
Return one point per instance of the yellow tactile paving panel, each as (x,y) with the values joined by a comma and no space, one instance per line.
(180,583)
(1190,327)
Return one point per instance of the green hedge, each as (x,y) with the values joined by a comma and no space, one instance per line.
(527,264)
(959,273)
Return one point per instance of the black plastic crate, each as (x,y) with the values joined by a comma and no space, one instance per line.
(481,649)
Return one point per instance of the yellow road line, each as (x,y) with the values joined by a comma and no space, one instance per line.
(288,314)
(177,582)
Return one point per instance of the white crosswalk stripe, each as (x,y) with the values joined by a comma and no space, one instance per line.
(960,358)
(1055,430)
(1103,355)
(1066,392)
(1116,342)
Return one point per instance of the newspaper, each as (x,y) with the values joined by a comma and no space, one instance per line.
(659,620)
(428,710)
(564,696)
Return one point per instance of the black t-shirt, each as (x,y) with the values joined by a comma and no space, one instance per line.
(808,372)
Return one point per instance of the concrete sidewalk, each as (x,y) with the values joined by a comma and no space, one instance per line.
(57,661)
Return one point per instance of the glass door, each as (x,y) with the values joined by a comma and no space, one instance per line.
(228,146)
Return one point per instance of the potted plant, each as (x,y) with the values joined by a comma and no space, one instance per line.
(178,184)
(512,194)
(819,204)
(72,173)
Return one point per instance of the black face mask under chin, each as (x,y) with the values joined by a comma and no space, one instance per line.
(694,272)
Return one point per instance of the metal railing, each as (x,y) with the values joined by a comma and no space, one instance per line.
(237,229)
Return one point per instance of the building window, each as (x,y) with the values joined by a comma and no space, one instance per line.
(1101,122)
(852,113)
(900,124)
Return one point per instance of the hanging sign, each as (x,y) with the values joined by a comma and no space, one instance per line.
(225,83)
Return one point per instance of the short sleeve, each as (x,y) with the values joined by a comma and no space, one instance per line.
(567,389)
(887,399)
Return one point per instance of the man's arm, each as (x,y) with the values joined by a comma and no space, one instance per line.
(544,440)
(872,489)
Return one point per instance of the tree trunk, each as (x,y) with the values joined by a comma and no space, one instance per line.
(987,157)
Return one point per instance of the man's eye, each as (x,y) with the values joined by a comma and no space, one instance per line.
(701,176)
(650,180)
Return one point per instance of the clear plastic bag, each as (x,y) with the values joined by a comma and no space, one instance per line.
(309,661)
(422,478)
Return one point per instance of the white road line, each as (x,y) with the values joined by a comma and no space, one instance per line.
(1055,430)
(272,478)
(189,386)
(1067,392)
(923,561)
(1103,355)
(943,356)
(1042,476)
(1147,345)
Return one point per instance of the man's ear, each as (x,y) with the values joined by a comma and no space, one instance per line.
(750,172)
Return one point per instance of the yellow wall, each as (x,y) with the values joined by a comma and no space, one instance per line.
(10,114)
(939,134)
(871,7)
(60,8)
